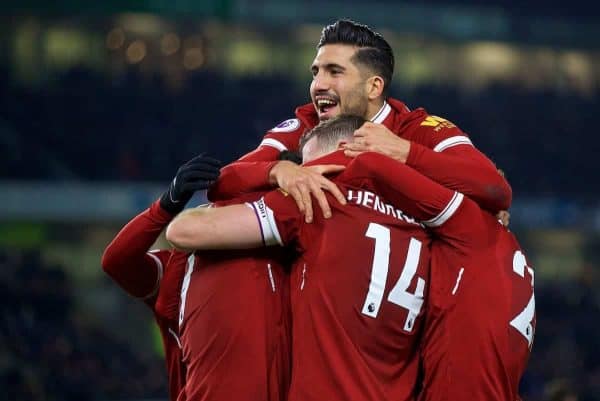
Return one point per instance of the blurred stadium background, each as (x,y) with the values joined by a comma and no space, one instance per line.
(101,101)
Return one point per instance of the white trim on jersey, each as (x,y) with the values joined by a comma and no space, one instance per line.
(266,220)
(382,114)
(176,338)
(458,278)
(185,285)
(159,268)
(448,211)
(452,141)
(270,271)
(274,143)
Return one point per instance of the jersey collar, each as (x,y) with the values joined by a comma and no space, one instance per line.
(382,114)
(308,115)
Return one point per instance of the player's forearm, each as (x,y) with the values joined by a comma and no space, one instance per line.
(443,210)
(126,260)
(229,227)
(405,188)
(248,174)
(239,178)
(466,170)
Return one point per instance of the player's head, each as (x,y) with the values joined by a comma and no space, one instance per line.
(351,72)
(328,136)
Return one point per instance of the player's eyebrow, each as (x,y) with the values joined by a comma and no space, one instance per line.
(329,66)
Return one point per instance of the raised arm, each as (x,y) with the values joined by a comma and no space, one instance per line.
(128,259)
(438,149)
(264,169)
(437,207)
(250,173)
(402,186)
(464,169)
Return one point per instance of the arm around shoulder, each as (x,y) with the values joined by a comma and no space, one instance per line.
(229,227)
(465,169)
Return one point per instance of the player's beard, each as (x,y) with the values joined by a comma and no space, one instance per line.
(356,102)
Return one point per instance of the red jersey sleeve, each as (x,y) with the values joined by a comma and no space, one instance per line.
(410,191)
(279,218)
(450,214)
(442,152)
(251,172)
(285,136)
(127,259)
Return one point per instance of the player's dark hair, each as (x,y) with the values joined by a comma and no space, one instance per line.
(374,51)
(331,131)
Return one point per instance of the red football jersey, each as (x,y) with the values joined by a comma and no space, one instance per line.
(439,149)
(165,305)
(235,328)
(155,277)
(481,320)
(232,311)
(357,292)
(481,305)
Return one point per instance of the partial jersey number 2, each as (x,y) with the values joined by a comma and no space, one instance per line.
(523,322)
(379,272)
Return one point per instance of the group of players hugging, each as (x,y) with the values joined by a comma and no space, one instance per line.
(378,269)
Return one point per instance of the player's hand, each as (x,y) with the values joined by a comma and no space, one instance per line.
(372,137)
(301,182)
(195,175)
(504,217)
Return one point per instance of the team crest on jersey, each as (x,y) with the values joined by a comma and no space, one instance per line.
(287,126)
(437,123)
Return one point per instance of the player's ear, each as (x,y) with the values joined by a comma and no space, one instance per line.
(341,144)
(375,85)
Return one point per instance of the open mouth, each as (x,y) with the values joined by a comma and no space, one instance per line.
(325,104)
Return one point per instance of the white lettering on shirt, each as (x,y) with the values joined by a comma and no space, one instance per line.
(358,196)
(374,202)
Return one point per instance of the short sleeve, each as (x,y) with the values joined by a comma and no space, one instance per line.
(279,218)
(462,224)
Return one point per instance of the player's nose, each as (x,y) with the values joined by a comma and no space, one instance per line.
(320,82)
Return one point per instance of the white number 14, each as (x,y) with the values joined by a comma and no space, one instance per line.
(379,272)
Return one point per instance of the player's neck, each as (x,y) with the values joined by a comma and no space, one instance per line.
(374,108)
(335,156)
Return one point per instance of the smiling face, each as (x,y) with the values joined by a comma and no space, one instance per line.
(339,86)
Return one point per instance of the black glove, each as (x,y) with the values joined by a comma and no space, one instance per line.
(197,174)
